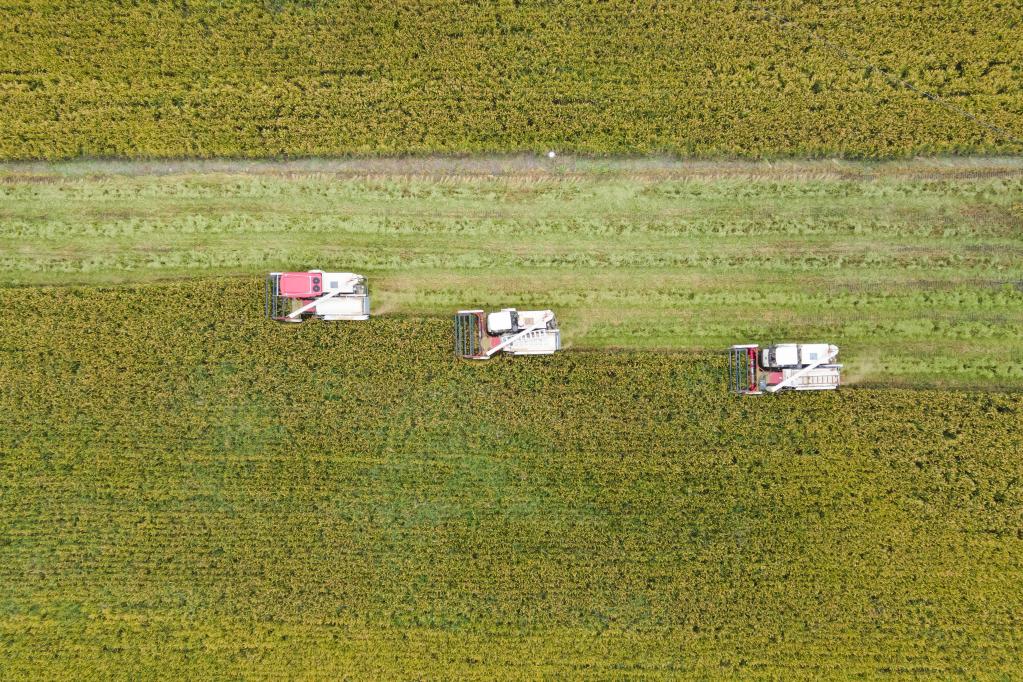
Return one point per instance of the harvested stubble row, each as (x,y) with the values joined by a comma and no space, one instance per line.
(185,485)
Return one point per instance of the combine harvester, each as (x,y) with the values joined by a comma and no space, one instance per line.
(784,367)
(299,296)
(517,332)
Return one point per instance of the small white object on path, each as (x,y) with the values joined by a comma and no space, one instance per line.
(551,154)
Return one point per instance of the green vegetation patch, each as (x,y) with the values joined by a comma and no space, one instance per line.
(208,78)
(187,487)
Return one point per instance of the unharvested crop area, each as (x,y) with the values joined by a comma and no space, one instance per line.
(915,268)
(188,488)
(206,78)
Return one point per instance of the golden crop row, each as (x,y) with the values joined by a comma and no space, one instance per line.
(207,79)
(185,484)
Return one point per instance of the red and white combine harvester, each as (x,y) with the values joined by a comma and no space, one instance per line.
(479,336)
(299,296)
(753,370)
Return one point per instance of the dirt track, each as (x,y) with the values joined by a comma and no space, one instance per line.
(539,166)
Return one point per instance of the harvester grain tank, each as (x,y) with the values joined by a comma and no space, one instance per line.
(753,370)
(479,336)
(299,296)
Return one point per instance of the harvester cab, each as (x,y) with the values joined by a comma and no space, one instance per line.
(479,336)
(299,296)
(753,370)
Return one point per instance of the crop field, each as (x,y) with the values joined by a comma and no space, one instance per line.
(185,487)
(191,491)
(206,78)
(914,269)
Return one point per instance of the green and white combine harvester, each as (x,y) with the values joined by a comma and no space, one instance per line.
(479,336)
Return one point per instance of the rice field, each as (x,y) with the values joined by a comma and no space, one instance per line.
(187,488)
(710,79)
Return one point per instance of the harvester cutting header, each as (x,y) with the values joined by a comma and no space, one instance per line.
(787,366)
(479,336)
(299,296)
